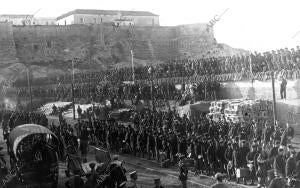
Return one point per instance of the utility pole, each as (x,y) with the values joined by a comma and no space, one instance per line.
(132,66)
(73,100)
(274,100)
(29,87)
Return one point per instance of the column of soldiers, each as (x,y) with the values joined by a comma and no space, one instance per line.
(215,146)
(119,92)
(221,146)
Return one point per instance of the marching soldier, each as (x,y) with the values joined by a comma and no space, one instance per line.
(279,163)
(211,156)
(251,159)
(76,181)
(229,158)
(138,143)
(183,172)
(290,166)
(157,183)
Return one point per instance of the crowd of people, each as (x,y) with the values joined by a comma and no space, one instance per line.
(120,92)
(166,137)
(283,59)
(250,152)
(160,82)
(216,147)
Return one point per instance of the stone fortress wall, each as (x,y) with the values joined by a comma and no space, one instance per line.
(102,42)
(7,44)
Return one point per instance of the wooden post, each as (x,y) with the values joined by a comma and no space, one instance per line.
(274,99)
(132,66)
(73,97)
(29,87)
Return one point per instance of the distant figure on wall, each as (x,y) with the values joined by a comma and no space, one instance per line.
(283,88)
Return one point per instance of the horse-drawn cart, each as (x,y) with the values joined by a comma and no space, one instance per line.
(33,149)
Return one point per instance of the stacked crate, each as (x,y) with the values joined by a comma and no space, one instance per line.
(242,110)
(217,109)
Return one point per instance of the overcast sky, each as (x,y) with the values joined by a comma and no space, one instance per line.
(256,25)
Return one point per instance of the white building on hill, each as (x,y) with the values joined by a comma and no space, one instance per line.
(86,16)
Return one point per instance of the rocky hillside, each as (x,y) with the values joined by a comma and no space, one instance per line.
(49,50)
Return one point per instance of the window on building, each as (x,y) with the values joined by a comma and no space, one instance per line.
(101,20)
(47,23)
(95,20)
(49,45)
(81,20)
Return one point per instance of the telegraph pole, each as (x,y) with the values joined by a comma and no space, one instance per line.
(274,100)
(132,66)
(29,87)
(73,100)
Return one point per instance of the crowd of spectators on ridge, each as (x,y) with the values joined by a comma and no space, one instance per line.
(283,59)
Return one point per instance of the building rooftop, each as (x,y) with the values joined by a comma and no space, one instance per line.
(106,12)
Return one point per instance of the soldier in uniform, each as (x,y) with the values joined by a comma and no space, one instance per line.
(229,158)
(283,88)
(117,172)
(274,150)
(133,141)
(158,145)
(182,145)
(211,156)
(183,172)
(251,159)
(287,135)
(290,166)
(240,160)
(262,167)
(76,181)
(157,183)
(220,155)
(84,138)
(279,163)
(174,146)
(138,143)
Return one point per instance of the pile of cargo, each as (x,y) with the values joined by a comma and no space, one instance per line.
(241,110)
